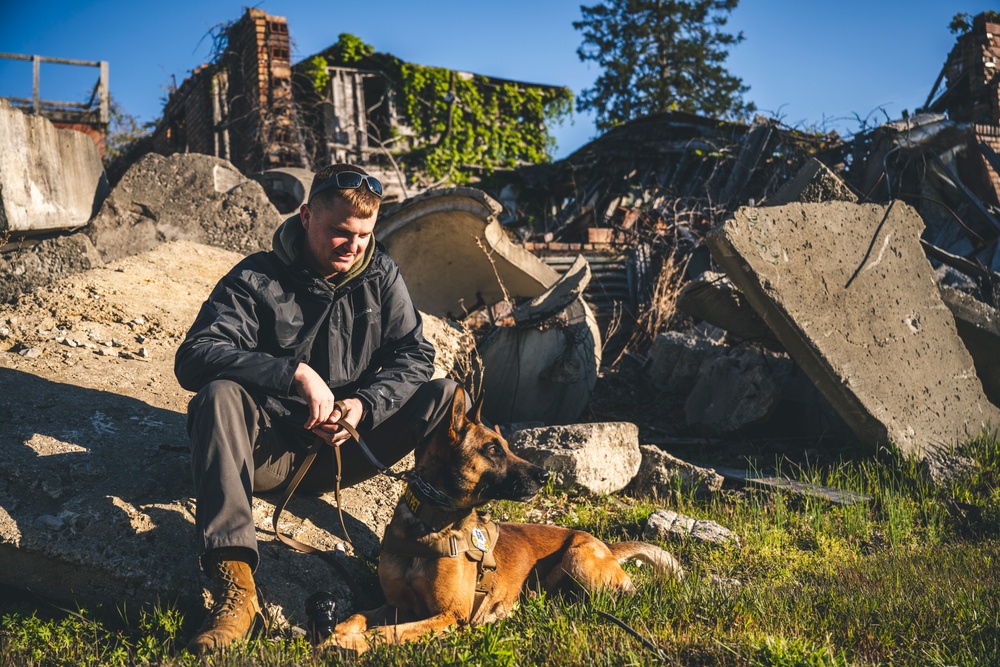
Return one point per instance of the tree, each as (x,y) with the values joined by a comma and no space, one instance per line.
(660,55)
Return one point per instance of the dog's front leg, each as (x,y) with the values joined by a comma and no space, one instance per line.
(407,632)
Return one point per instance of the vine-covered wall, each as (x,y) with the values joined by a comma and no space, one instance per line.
(461,125)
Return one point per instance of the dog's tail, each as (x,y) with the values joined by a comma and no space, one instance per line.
(660,559)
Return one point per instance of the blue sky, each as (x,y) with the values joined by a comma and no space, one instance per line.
(813,64)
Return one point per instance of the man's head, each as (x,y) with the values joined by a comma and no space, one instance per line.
(339,217)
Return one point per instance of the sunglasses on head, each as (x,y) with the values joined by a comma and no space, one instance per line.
(348,180)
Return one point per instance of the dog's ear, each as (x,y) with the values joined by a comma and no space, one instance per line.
(477,408)
(458,418)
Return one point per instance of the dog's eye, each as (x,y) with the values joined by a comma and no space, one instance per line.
(493,449)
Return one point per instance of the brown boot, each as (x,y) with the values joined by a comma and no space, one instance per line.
(236,609)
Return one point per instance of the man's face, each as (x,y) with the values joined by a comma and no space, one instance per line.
(336,238)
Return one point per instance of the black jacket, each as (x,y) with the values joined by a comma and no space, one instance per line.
(272,311)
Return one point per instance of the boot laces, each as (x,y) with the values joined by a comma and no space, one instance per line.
(228,595)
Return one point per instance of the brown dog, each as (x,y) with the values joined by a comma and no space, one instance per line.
(444,564)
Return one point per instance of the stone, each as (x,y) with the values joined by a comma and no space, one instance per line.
(50,179)
(187,196)
(675,360)
(595,459)
(815,183)
(661,475)
(848,291)
(666,524)
(732,392)
(946,469)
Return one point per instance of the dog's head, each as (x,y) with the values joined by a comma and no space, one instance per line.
(472,463)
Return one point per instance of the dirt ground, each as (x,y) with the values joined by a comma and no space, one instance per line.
(115,328)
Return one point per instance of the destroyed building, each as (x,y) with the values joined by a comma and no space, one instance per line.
(251,106)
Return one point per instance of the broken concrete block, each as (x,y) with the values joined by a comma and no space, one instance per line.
(660,475)
(186,196)
(49,178)
(676,358)
(814,183)
(979,327)
(595,458)
(711,297)
(545,367)
(849,293)
(455,256)
(732,392)
(666,524)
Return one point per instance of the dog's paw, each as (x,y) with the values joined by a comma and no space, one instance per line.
(353,641)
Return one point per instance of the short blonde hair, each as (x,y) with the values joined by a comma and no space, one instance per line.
(362,201)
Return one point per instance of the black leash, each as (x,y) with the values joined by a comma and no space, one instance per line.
(645,642)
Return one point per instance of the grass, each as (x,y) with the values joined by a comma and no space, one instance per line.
(911,578)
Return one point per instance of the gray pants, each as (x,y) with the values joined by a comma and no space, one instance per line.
(236,450)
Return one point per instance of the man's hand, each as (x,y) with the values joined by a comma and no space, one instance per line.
(333,433)
(310,386)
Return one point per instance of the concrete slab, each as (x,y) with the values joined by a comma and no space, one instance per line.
(286,187)
(454,254)
(979,326)
(49,178)
(849,293)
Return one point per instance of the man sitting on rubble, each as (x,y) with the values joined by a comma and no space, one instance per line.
(323,316)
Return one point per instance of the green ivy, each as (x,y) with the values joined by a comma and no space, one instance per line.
(463,124)
(350,49)
(318,74)
(468,122)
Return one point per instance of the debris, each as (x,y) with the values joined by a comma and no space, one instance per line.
(837,496)
(979,327)
(594,458)
(732,392)
(544,367)
(185,196)
(947,469)
(848,291)
(711,297)
(662,475)
(286,187)
(52,179)
(815,183)
(454,255)
(666,524)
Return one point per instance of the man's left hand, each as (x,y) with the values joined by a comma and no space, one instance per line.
(335,434)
